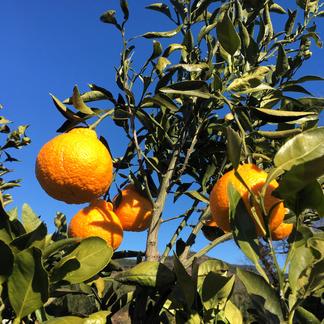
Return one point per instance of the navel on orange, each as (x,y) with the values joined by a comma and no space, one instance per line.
(98,219)
(255,178)
(74,167)
(133,209)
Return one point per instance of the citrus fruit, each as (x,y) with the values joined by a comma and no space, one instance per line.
(133,209)
(74,167)
(282,231)
(97,219)
(254,178)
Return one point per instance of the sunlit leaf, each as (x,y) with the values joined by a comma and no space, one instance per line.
(28,283)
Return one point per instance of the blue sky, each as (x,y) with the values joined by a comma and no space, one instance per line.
(48,47)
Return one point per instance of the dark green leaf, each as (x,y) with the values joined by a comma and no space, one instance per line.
(304,316)
(66,320)
(184,282)
(7,259)
(234,146)
(30,220)
(173,47)
(216,290)
(188,88)
(262,293)
(166,34)
(34,238)
(59,246)
(280,116)
(197,195)
(124,7)
(290,21)
(108,17)
(147,274)
(295,88)
(277,8)
(159,100)
(88,96)
(160,7)
(66,112)
(282,65)
(244,231)
(28,283)
(227,35)
(79,104)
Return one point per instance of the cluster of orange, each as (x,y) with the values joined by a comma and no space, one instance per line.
(76,168)
(254,178)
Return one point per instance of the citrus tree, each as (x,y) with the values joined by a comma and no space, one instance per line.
(216,113)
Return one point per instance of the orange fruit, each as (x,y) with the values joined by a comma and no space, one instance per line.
(255,178)
(74,167)
(98,219)
(282,231)
(133,209)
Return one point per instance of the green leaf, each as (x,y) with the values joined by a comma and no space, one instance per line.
(147,274)
(234,146)
(197,195)
(157,50)
(7,260)
(65,320)
(190,67)
(34,238)
(232,313)
(227,35)
(303,148)
(205,30)
(280,116)
(306,78)
(66,112)
(244,231)
(159,100)
(299,187)
(184,282)
(251,81)
(124,7)
(89,96)
(161,64)
(282,65)
(79,104)
(160,7)
(173,47)
(28,283)
(108,17)
(304,316)
(277,9)
(92,254)
(166,34)
(302,259)
(30,220)
(216,290)
(261,293)
(188,88)
(216,266)
(295,88)
(59,245)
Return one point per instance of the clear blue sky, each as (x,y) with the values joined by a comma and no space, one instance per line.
(48,47)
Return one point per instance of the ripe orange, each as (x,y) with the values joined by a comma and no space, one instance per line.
(255,178)
(282,231)
(134,210)
(98,219)
(74,167)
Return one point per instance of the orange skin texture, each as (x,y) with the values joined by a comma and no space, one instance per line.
(134,210)
(74,167)
(98,219)
(255,178)
(282,232)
